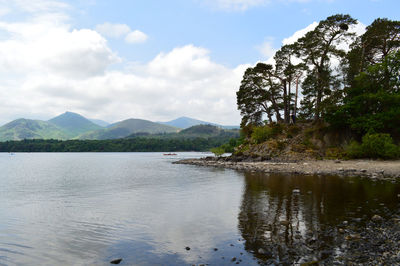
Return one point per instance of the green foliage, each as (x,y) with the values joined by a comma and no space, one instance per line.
(261,134)
(137,144)
(218,151)
(376,146)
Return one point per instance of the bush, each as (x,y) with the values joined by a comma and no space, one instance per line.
(379,146)
(376,146)
(218,151)
(261,134)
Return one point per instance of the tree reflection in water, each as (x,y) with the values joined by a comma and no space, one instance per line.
(296,219)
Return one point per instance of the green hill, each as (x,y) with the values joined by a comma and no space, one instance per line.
(31,129)
(74,124)
(199,131)
(127,127)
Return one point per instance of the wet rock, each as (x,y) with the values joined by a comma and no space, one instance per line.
(215,249)
(337,161)
(296,191)
(233,259)
(116,261)
(187,248)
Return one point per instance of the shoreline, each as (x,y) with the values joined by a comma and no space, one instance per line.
(362,168)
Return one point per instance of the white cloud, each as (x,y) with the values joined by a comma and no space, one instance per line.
(136,37)
(113,30)
(300,33)
(47,67)
(266,49)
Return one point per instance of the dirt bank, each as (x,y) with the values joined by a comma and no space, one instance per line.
(364,168)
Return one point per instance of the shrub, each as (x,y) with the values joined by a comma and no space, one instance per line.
(376,146)
(218,151)
(261,134)
(293,130)
(379,146)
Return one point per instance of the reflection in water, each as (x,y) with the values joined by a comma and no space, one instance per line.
(296,219)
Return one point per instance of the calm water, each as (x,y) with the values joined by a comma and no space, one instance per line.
(90,208)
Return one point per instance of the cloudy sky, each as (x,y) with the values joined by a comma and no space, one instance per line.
(152,59)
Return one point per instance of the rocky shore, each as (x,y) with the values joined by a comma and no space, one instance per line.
(362,168)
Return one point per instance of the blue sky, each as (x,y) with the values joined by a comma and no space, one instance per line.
(230,34)
(151,59)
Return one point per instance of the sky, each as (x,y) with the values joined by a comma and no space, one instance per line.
(154,59)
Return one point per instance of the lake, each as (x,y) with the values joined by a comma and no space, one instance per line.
(91,208)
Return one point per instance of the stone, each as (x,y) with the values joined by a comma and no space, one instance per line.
(296,191)
(187,248)
(284,223)
(376,218)
(116,261)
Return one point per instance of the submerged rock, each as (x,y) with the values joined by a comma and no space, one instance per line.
(116,261)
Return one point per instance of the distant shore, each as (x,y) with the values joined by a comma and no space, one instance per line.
(363,168)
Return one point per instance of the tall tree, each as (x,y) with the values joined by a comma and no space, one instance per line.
(317,48)
(380,39)
(287,72)
(258,95)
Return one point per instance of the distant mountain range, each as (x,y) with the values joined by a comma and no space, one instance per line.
(128,127)
(186,122)
(71,125)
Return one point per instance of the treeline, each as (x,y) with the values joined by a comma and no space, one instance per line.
(352,90)
(138,144)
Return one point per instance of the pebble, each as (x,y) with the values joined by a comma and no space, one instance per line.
(376,218)
(116,261)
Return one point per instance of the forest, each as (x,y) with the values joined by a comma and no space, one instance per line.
(347,83)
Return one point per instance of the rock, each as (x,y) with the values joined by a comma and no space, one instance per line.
(215,249)
(284,223)
(341,230)
(353,237)
(376,218)
(116,261)
(187,248)
(296,191)
(233,259)
(337,161)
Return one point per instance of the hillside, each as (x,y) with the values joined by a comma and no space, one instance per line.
(100,122)
(127,127)
(199,131)
(186,122)
(73,124)
(31,129)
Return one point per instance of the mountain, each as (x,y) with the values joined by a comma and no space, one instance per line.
(74,124)
(31,129)
(127,127)
(186,122)
(199,131)
(99,122)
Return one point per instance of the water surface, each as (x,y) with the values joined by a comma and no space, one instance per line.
(90,208)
